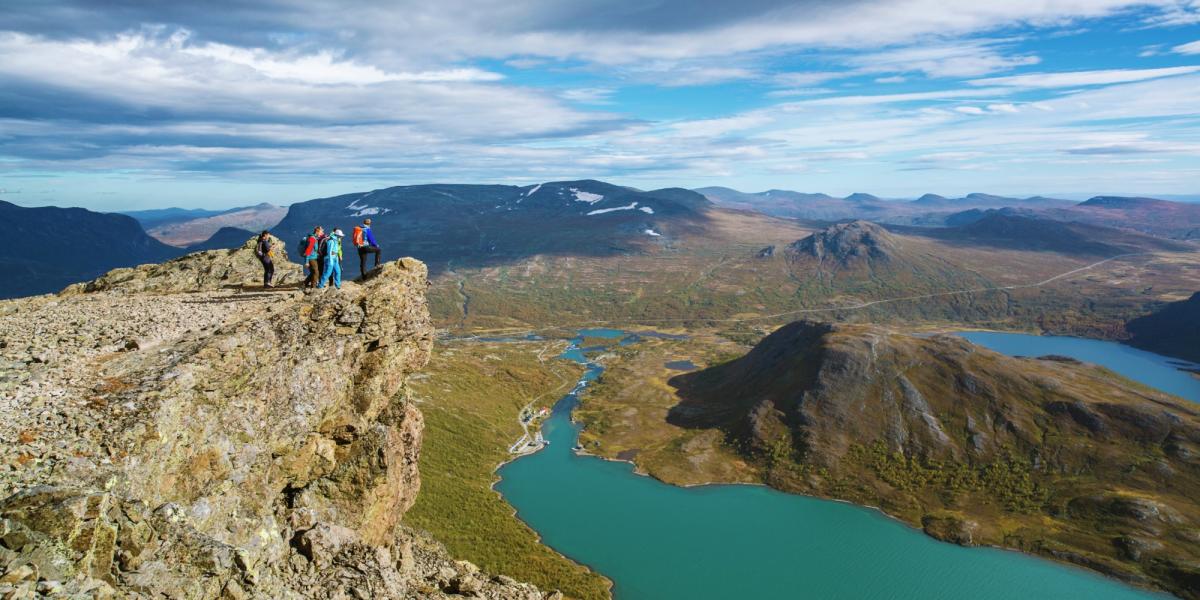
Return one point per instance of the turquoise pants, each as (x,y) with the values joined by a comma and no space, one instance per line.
(333,268)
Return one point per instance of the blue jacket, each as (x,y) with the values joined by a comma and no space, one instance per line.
(368,237)
(333,247)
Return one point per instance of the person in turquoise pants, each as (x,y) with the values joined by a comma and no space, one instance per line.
(333,260)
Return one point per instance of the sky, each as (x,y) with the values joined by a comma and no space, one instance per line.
(117,104)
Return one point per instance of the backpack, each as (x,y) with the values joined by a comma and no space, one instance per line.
(303,246)
(323,246)
(357,236)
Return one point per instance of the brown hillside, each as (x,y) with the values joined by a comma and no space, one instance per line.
(1046,455)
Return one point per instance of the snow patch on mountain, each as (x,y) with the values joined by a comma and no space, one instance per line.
(647,210)
(652,233)
(608,210)
(355,205)
(370,210)
(588,197)
(533,191)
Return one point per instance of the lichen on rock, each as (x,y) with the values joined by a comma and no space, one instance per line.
(199,271)
(256,445)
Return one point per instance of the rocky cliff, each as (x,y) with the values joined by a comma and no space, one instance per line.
(218,443)
(1047,455)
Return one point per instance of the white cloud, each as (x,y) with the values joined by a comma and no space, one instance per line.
(1176,14)
(908,97)
(795,92)
(395,92)
(959,59)
(1188,48)
(1083,78)
(676,74)
(722,126)
(588,95)
(553,29)
(145,70)
(322,67)
(805,79)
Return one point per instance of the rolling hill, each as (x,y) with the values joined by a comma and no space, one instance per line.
(1179,220)
(1016,230)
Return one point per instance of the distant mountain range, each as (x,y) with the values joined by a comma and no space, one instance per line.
(187,227)
(1180,220)
(166,216)
(457,227)
(48,248)
(225,238)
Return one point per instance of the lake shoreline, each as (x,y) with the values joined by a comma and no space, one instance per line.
(636,469)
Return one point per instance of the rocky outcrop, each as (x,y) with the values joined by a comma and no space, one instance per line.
(200,271)
(849,242)
(257,445)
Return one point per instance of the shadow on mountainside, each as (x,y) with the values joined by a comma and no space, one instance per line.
(473,226)
(732,396)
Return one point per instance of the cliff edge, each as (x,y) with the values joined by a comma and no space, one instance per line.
(218,443)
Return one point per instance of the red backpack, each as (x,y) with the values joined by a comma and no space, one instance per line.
(357,236)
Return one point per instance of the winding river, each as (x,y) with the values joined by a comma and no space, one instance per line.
(656,541)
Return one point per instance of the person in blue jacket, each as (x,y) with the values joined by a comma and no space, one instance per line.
(333,260)
(364,240)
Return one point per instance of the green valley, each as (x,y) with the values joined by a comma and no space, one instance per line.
(471,394)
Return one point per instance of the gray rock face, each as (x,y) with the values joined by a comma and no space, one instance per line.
(209,270)
(240,445)
(846,242)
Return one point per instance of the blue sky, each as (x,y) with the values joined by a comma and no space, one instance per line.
(122,104)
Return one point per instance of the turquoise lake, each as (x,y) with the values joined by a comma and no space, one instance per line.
(656,541)
(1151,369)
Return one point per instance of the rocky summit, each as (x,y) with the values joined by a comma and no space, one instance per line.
(167,433)
(200,271)
(849,242)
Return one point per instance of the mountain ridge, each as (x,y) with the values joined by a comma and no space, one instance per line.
(956,439)
(48,248)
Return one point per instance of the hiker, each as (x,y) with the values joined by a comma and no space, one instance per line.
(321,253)
(264,252)
(364,240)
(332,251)
(311,249)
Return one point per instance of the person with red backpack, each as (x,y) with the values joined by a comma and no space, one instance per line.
(311,254)
(364,240)
(321,240)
